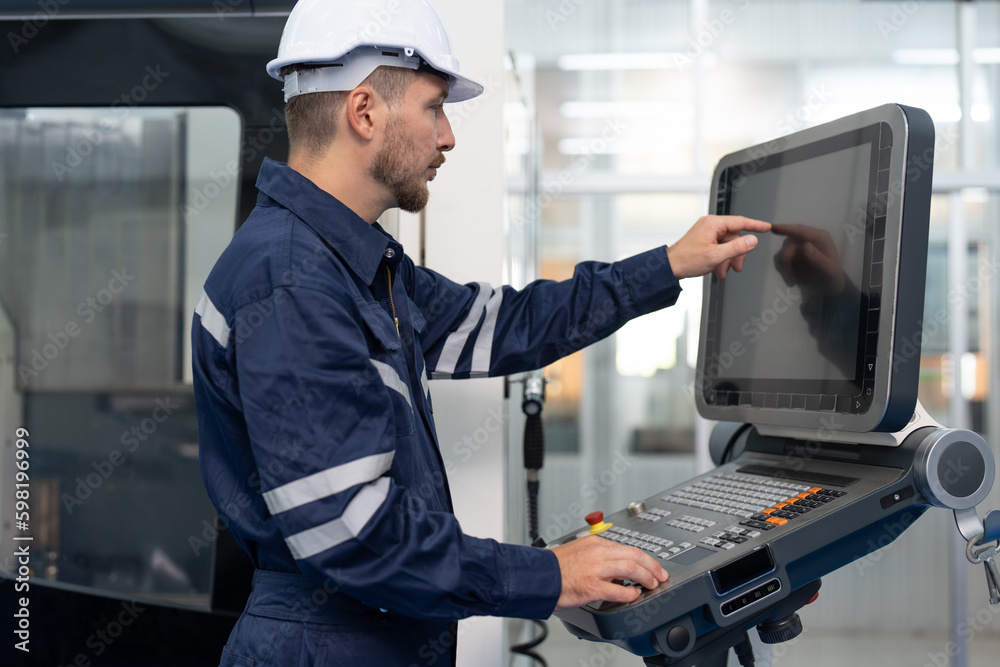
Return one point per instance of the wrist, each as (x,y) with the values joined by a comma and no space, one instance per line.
(676,262)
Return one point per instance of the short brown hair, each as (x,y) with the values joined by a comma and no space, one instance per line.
(311,118)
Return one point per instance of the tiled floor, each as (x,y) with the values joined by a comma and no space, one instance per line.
(814,648)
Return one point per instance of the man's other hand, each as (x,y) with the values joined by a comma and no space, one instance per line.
(590,566)
(714,243)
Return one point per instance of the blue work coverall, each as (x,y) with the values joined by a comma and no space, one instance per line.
(317,438)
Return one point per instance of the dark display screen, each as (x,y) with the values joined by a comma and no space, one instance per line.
(743,570)
(795,322)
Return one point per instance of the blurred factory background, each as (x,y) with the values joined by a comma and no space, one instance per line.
(130,138)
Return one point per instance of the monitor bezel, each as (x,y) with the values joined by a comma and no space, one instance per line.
(884,398)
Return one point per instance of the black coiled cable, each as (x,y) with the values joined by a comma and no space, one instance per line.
(527,648)
(534,458)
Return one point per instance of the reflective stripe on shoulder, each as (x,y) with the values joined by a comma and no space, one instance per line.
(392,380)
(455,343)
(212,320)
(327,482)
(350,524)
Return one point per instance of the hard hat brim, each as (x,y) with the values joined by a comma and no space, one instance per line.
(460,88)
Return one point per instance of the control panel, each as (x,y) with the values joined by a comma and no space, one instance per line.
(746,537)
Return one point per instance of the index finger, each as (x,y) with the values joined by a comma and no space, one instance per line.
(799,232)
(740,223)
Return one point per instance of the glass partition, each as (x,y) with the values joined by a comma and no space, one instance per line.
(633,104)
(110,219)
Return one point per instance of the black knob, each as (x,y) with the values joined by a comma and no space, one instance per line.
(678,638)
(775,632)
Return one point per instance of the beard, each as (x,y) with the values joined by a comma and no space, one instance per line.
(407,182)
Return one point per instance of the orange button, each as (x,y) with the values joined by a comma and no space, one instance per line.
(780,506)
(815,489)
(792,501)
(803,495)
(777,522)
(768,510)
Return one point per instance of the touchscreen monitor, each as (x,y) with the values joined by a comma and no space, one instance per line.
(822,327)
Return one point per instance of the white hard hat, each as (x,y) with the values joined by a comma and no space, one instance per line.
(353,37)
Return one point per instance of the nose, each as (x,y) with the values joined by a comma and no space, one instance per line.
(446,138)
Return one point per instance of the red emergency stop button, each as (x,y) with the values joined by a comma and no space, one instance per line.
(596,521)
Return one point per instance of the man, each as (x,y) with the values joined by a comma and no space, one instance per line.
(313,343)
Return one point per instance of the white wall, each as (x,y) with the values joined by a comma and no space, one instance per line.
(465,241)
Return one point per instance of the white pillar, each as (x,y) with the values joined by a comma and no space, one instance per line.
(958,332)
(465,241)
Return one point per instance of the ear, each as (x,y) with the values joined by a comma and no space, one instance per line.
(361,102)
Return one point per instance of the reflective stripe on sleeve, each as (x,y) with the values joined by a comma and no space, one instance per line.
(350,524)
(482,352)
(455,343)
(212,320)
(423,386)
(327,482)
(392,380)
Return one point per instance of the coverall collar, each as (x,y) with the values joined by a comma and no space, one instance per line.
(362,246)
